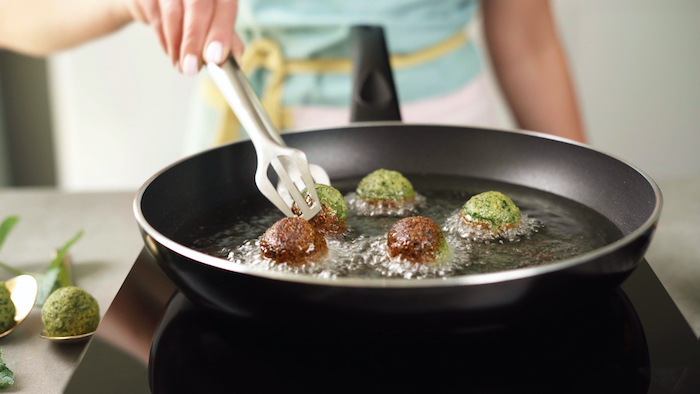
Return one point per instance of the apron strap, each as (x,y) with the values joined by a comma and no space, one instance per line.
(266,54)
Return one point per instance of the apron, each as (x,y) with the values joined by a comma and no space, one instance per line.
(266,54)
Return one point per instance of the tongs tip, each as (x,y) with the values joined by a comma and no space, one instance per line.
(291,165)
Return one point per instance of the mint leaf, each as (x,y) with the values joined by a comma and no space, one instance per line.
(64,278)
(7,377)
(48,282)
(57,274)
(6,227)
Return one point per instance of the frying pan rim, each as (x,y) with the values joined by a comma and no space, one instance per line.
(398,283)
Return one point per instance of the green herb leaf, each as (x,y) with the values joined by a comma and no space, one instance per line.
(57,274)
(48,282)
(6,227)
(64,277)
(7,377)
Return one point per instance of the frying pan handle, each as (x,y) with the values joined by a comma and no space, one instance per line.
(373,92)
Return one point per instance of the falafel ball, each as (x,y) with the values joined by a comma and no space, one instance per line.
(7,309)
(293,240)
(385,186)
(333,217)
(491,210)
(417,239)
(69,311)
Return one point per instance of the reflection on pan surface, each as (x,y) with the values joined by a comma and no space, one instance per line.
(595,347)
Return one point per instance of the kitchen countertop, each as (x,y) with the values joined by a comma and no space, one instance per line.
(101,260)
(111,243)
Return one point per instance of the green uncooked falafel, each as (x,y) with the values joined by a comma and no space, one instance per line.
(493,209)
(70,311)
(383,185)
(7,309)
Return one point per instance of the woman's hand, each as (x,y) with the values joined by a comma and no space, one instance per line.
(191,31)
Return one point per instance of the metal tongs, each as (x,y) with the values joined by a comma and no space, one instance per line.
(290,164)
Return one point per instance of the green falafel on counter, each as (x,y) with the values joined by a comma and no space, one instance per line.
(70,311)
(492,211)
(417,239)
(333,217)
(385,185)
(7,309)
(293,240)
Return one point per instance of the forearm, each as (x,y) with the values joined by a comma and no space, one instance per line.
(530,65)
(39,27)
(541,96)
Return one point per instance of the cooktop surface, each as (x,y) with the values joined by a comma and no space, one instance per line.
(153,339)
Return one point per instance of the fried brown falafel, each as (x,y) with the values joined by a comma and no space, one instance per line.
(417,239)
(333,217)
(293,240)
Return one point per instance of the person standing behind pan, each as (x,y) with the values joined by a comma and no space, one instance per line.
(297,55)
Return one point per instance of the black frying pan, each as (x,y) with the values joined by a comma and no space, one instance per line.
(184,193)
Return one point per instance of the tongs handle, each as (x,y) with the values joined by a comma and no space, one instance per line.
(236,89)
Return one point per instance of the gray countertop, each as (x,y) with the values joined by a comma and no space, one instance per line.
(103,258)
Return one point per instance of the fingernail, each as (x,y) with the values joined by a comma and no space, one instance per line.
(177,65)
(213,54)
(190,66)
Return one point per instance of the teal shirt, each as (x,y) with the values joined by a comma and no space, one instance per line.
(320,29)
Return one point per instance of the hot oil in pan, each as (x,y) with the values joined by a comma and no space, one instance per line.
(559,229)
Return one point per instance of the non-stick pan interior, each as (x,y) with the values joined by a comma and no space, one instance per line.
(198,186)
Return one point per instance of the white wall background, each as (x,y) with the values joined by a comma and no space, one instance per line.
(120,109)
(637,67)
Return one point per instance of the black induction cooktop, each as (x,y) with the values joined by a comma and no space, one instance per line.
(153,339)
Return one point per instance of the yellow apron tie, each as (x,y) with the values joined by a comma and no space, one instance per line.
(265,53)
